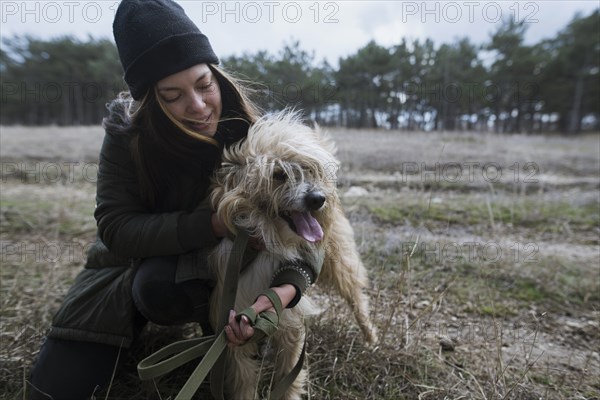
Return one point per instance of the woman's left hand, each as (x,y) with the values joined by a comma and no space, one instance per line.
(239,332)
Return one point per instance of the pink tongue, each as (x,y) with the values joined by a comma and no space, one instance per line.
(307,226)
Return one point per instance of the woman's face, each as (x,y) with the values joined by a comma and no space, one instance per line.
(193,97)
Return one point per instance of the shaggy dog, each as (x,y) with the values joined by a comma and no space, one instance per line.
(280,185)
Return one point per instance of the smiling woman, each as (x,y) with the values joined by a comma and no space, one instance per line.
(192,100)
(163,141)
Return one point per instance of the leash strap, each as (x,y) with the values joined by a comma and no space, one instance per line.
(176,354)
(266,323)
(232,275)
(197,377)
(280,387)
(230,284)
(173,356)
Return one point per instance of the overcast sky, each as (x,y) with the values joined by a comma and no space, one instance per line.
(331,29)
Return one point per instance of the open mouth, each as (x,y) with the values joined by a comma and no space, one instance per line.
(304,225)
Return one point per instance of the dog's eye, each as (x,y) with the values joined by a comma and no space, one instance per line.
(280,176)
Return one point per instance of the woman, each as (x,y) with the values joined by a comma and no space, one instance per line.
(162,143)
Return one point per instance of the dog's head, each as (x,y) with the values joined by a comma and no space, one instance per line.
(279,184)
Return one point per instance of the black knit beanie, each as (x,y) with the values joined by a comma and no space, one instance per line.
(155,39)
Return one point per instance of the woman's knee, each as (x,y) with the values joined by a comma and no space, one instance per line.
(154,291)
(162,301)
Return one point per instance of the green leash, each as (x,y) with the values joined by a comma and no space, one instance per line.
(176,354)
(211,347)
(230,284)
(184,351)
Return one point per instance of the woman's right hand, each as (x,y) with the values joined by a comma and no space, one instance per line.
(218,226)
(220,231)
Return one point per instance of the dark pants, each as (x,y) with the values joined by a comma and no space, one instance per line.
(71,370)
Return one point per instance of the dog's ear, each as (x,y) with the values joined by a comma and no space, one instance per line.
(227,195)
(229,176)
(221,180)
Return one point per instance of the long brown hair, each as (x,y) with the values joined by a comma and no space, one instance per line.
(164,150)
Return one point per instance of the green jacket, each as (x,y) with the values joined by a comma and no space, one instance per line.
(99,305)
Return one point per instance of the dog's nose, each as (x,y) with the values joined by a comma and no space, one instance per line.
(314,200)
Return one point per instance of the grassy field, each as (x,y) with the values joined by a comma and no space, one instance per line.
(483,252)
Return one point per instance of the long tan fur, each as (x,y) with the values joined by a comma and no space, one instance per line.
(261,179)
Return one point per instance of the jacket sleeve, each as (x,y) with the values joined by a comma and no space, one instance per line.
(125,225)
(297,273)
(301,272)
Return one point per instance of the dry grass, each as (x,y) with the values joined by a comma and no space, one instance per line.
(484,286)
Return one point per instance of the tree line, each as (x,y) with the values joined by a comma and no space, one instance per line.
(503,85)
